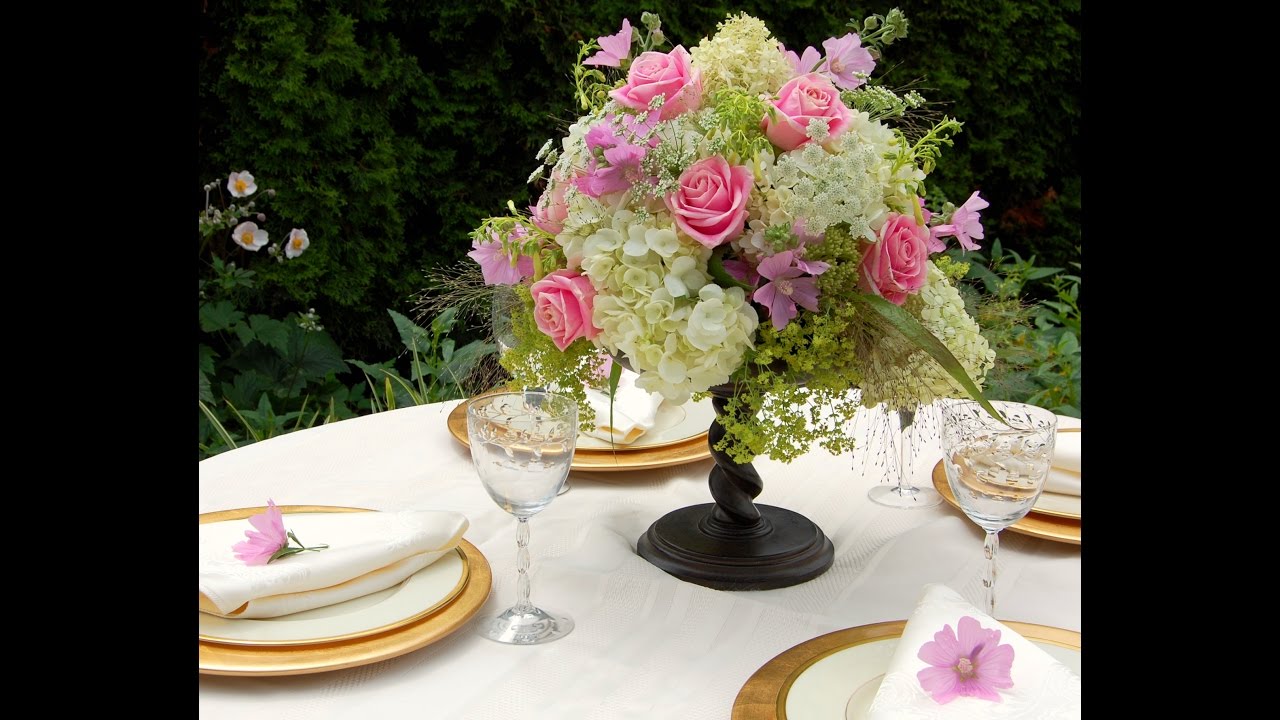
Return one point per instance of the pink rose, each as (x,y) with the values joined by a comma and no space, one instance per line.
(562,306)
(551,210)
(711,204)
(799,101)
(896,266)
(670,75)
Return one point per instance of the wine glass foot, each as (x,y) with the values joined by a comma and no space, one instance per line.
(907,498)
(531,627)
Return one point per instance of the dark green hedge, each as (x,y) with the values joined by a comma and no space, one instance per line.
(391,128)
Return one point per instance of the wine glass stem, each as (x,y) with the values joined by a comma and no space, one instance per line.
(522,566)
(989,548)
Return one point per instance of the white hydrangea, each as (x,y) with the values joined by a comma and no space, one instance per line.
(940,309)
(656,304)
(742,55)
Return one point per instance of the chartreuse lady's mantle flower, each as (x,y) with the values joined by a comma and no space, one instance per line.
(970,663)
(271,542)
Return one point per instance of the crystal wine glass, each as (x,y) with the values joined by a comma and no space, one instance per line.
(996,470)
(522,445)
(503,307)
(905,494)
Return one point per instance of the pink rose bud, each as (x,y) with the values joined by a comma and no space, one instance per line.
(670,75)
(562,305)
(802,99)
(897,265)
(710,205)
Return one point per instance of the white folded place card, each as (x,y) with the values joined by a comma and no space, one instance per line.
(634,411)
(368,552)
(1032,685)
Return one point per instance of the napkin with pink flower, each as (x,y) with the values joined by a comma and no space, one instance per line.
(260,567)
(955,662)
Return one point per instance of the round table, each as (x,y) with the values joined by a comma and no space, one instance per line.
(646,645)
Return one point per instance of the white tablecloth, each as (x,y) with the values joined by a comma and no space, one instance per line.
(646,645)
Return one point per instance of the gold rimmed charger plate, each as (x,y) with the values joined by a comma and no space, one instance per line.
(764,696)
(644,458)
(269,660)
(1047,527)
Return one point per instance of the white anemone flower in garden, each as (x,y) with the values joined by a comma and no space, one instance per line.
(296,243)
(249,236)
(241,184)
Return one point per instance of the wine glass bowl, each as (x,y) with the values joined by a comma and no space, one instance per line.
(522,446)
(996,468)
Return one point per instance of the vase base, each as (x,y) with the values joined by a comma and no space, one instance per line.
(913,499)
(785,549)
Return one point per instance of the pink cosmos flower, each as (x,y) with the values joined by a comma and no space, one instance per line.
(613,48)
(785,289)
(965,223)
(262,545)
(496,265)
(562,306)
(616,161)
(805,63)
(845,57)
(623,169)
(971,663)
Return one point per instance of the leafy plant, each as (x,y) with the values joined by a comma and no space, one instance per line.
(438,368)
(1037,343)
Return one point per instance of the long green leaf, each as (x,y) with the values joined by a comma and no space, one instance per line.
(913,331)
(217,426)
(253,433)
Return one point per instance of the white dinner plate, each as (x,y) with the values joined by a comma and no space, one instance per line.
(672,424)
(422,593)
(822,691)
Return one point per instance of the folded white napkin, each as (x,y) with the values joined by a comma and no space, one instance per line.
(368,552)
(1064,474)
(1042,686)
(634,411)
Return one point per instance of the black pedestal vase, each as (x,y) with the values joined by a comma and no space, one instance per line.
(734,544)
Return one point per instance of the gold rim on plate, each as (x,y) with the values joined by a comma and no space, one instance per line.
(1046,527)
(764,696)
(289,510)
(667,455)
(273,660)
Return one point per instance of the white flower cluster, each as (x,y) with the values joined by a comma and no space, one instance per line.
(742,55)
(656,303)
(827,189)
(942,312)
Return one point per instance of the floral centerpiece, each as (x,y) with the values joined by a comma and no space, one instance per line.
(737,212)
